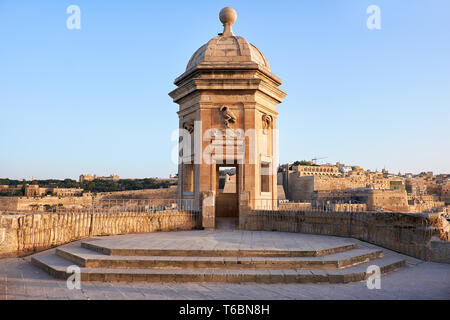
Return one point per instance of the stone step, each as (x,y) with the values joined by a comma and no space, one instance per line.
(92,259)
(114,251)
(57,266)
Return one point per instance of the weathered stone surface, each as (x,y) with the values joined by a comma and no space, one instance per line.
(19,279)
(440,251)
(411,234)
(228,86)
(208,256)
(24,234)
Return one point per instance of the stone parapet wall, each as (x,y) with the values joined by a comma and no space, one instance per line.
(440,251)
(406,233)
(25,234)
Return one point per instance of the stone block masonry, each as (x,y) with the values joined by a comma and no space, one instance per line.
(440,251)
(8,204)
(422,236)
(25,234)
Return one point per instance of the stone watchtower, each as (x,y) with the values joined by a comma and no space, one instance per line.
(227,98)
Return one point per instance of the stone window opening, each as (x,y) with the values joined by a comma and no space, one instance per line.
(188,178)
(265,177)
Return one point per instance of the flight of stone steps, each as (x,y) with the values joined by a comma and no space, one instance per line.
(338,264)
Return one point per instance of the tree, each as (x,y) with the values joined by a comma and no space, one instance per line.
(24,185)
(304,163)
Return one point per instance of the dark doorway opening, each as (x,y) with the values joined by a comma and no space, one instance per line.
(227,195)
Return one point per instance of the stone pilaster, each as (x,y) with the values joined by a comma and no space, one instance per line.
(208,209)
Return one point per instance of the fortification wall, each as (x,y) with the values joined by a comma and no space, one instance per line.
(8,203)
(162,193)
(301,188)
(426,206)
(38,203)
(67,202)
(394,200)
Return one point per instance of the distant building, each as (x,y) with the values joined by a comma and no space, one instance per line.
(324,170)
(86,177)
(10,189)
(89,177)
(35,190)
(445,193)
(67,192)
(345,169)
(397,184)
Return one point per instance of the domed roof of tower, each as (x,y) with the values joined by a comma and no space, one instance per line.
(227,48)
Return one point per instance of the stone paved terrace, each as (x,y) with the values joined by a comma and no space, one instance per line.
(222,240)
(19,279)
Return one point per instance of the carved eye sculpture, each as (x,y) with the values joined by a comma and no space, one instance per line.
(189,126)
(267,121)
(228,116)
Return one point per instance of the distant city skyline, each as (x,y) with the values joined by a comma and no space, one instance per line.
(174,173)
(95,100)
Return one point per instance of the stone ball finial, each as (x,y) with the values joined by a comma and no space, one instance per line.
(227,16)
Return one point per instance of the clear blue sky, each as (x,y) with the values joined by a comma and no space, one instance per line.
(95,100)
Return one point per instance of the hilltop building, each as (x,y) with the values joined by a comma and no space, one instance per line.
(89,177)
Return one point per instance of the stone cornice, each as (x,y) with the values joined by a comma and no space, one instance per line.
(196,84)
(227,66)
